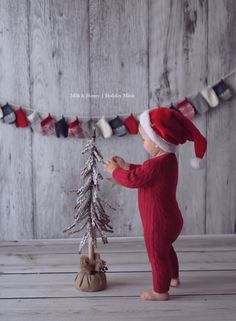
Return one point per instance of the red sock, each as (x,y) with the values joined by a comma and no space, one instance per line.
(75,130)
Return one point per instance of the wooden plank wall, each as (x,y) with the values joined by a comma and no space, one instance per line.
(158,51)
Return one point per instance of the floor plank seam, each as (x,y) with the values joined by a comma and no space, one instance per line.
(114,296)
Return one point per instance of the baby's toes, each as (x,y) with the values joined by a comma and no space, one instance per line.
(143,295)
(146,295)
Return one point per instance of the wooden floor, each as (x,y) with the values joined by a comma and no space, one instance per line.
(36,281)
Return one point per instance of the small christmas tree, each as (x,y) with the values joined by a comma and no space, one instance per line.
(91,216)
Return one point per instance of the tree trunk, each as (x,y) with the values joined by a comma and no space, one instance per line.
(91,246)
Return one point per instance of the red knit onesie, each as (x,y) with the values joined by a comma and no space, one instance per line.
(156,180)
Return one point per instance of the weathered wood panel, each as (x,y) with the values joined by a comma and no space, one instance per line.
(48,294)
(49,285)
(59,65)
(185,243)
(221,129)
(194,308)
(16,199)
(118,64)
(178,60)
(158,51)
(22,263)
(204,253)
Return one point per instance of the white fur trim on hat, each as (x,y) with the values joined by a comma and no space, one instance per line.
(144,120)
(210,96)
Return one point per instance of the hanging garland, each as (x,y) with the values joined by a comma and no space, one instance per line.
(22,117)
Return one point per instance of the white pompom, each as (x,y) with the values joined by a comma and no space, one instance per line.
(197,163)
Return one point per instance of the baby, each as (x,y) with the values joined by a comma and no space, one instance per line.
(162,130)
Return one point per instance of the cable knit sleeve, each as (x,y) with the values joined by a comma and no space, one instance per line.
(136,177)
(132,166)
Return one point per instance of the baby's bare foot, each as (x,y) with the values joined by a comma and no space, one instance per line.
(175,282)
(154,296)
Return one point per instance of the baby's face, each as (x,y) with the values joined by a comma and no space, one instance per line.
(148,144)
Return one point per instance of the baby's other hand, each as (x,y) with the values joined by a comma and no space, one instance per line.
(121,162)
(109,166)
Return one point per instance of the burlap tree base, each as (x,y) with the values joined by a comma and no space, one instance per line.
(92,275)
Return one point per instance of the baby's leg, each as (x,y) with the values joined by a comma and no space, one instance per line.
(158,248)
(161,276)
(174,266)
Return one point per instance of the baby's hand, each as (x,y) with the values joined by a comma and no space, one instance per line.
(109,166)
(121,162)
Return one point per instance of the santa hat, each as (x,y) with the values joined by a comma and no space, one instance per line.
(222,90)
(199,103)
(131,124)
(61,127)
(169,128)
(34,119)
(9,115)
(104,127)
(75,129)
(210,96)
(21,118)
